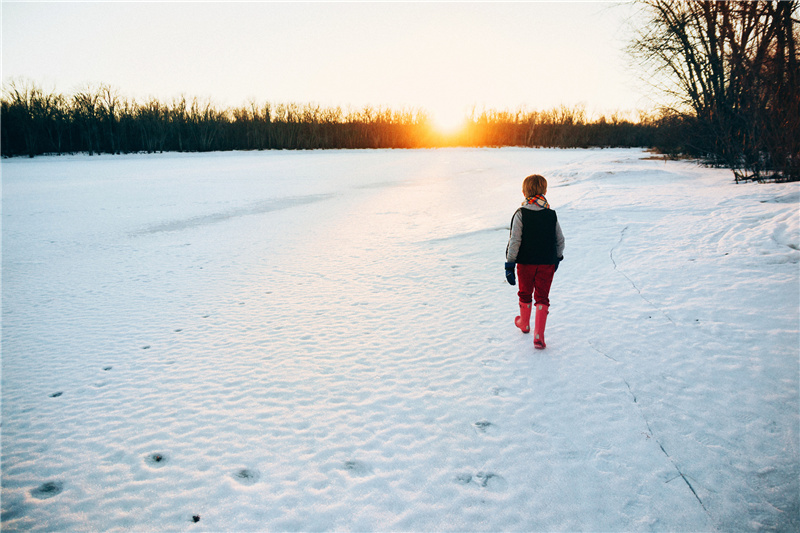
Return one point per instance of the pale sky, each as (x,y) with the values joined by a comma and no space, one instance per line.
(445,57)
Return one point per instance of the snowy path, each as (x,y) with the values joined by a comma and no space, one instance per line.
(324,341)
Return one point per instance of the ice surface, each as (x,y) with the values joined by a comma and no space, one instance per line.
(317,341)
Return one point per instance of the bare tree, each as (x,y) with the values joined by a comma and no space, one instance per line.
(151,118)
(205,121)
(85,114)
(108,103)
(33,111)
(733,66)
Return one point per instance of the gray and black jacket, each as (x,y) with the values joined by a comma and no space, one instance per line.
(536,237)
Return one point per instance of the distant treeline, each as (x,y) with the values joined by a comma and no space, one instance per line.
(562,127)
(99,120)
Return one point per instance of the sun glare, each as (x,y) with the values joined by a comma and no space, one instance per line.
(448,123)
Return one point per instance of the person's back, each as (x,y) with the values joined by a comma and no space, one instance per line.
(535,247)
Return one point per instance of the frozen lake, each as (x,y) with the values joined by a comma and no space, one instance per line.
(317,341)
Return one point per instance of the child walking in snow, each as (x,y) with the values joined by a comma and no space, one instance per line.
(535,247)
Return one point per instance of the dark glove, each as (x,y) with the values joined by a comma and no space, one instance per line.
(558,260)
(510,277)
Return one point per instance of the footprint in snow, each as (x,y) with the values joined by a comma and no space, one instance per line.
(482,426)
(485,480)
(156,459)
(247,476)
(464,479)
(491,481)
(357,468)
(47,490)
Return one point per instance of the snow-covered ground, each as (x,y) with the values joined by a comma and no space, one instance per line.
(320,341)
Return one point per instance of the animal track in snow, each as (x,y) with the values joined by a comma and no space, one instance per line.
(157,459)
(247,476)
(490,480)
(464,479)
(357,468)
(47,490)
(482,426)
(485,480)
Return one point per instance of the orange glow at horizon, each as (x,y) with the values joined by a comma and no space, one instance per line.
(448,123)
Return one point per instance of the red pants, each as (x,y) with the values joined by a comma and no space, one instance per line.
(534,282)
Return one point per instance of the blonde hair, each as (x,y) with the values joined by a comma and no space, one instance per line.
(533,185)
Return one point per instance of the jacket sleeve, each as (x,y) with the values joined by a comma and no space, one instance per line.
(559,241)
(515,239)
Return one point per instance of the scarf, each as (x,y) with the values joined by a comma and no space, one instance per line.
(539,200)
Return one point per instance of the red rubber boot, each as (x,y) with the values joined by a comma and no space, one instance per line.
(523,321)
(538,327)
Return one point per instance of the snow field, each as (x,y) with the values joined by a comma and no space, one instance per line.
(324,341)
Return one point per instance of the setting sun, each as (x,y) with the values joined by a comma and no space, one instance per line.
(448,122)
